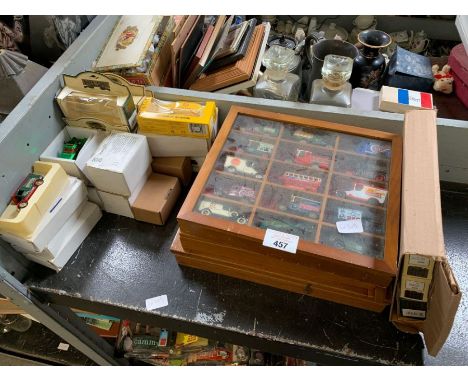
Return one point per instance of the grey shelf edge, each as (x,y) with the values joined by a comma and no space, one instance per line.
(452,134)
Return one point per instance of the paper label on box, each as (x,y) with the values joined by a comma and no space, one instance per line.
(414,313)
(418,260)
(417,286)
(350,226)
(63,346)
(281,240)
(156,302)
(414,98)
(113,151)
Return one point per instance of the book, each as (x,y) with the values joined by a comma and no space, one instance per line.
(234,73)
(241,51)
(198,54)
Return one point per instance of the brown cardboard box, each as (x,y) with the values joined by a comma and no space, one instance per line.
(421,229)
(156,199)
(179,167)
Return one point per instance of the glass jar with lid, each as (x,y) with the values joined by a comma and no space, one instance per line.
(334,88)
(279,80)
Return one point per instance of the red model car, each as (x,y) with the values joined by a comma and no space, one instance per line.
(301,182)
(26,190)
(307,158)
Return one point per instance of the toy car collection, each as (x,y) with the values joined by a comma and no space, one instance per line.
(26,190)
(300,177)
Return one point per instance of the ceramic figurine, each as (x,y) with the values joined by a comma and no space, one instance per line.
(443,79)
(361,23)
(420,42)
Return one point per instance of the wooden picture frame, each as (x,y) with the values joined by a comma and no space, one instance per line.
(232,74)
(354,267)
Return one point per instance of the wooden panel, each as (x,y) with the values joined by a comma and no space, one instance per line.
(266,278)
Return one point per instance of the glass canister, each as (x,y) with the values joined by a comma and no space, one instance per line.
(280,80)
(334,88)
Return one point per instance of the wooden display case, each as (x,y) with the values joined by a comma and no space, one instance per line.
(299,176)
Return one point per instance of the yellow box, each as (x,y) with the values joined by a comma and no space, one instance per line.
(185,119)
(23,222)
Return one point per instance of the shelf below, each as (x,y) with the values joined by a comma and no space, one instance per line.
(123,262)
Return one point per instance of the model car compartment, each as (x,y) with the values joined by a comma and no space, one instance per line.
(23,221)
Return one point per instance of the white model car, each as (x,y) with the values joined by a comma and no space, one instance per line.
(241,166)
(207,208)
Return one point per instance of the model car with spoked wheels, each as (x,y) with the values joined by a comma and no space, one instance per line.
(208,208)
(26,190)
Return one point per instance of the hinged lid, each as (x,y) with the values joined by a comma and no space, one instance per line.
(128,43)
(409,63)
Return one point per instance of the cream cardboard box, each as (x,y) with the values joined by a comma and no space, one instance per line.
(421,230)
(119,164)
(155,201)
(122,205)
(93,95)
(73,167)
(69,238)
(23,222)
(71,197)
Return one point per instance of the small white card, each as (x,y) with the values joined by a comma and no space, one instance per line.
(63,346)
(281,240)
(157,302)
(350,226)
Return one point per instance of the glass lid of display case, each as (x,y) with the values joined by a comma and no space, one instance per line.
(301,180)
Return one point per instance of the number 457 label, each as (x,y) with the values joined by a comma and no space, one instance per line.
(280,240)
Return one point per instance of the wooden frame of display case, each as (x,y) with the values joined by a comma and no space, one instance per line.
(245,238)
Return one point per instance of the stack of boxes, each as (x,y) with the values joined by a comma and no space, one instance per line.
(415,282)
(55,221)
(178,129)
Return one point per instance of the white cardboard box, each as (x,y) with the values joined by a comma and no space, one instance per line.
(68,201)
(69,238)
(73,167)
(119,204)
(93,197)
(175,146)
(119,163)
